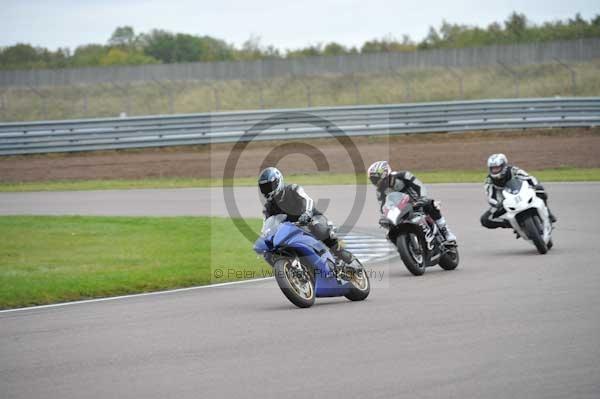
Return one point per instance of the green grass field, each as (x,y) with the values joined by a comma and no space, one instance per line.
(454,176)
(49,259)
(419,85)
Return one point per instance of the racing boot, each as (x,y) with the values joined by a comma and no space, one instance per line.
(340,253)
(345,266)
(544,197)
(448,235)
(551,215)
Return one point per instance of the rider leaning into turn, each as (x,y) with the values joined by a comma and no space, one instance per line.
(291,200)
(386,181)
(500,172)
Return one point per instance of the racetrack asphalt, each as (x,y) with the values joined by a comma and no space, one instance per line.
(507,323)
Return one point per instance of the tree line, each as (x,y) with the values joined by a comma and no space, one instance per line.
(125,47)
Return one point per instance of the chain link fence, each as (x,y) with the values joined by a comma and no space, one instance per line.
(565,68)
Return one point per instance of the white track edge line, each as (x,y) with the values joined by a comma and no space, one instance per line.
(112,298)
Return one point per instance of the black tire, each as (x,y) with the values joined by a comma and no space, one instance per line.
(283,275)
(361,287)
(450,260)
(532,230)
(413,265)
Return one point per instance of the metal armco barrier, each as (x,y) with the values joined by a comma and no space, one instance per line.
(288,124)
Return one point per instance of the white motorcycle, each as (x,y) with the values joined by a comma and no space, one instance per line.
(527,214)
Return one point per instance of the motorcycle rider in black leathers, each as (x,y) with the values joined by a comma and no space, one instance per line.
(386,181)
(291,200)
(500,172)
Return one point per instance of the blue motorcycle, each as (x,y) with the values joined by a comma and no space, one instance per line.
(303,266)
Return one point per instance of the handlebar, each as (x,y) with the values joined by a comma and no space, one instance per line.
(420,203)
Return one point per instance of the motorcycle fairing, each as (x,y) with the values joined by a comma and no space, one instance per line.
(312,252)
(262,245)
(520,198)
(429,232)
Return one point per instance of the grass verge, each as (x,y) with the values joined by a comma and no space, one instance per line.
(49,259)
(454,176)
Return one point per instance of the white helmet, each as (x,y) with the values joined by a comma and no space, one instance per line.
(497,166)
(378,171)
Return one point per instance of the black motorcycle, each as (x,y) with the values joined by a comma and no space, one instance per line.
(415,234)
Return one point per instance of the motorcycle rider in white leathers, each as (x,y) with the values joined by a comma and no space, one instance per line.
(500,172)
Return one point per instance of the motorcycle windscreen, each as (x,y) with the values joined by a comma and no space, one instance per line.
(513,186)
(271,224)
(395,199)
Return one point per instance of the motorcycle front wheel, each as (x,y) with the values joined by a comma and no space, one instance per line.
(411,252)
(295,281)
(449,261)
(533,228)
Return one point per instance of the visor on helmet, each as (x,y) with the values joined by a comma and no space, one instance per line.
(496,169)
(268,187)
(374,179)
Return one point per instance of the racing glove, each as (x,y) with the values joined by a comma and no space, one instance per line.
(305,218)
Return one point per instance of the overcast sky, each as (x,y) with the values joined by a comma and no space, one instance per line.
(292,24)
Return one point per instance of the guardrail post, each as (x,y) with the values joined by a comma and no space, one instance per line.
(459,78)
(43,97)
(573,75)
(515,75)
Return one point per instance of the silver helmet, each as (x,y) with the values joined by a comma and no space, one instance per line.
(497,166)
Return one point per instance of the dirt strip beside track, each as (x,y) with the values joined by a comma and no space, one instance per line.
(531,149)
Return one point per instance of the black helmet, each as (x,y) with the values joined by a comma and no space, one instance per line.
(270,182)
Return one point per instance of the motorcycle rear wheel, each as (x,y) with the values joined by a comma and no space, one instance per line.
(413,258)
(361,285)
